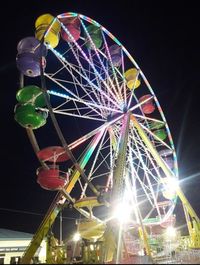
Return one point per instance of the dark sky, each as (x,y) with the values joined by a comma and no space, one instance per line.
(164,41)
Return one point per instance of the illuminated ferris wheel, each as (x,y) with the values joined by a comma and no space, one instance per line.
(122,152)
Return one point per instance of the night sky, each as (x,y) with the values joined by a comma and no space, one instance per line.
(164,41)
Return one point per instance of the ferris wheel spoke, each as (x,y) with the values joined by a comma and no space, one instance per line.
(107,88)
(132,92)
(155,136)
(80,184)
(91,171)
(146,175)
(134,175)
(132,183)
(88,135)
(103,161)
(143,165)
(150,119)
(78,73)
(145,160)
(147,190)
(156,178)
(144,168)
(60,69)
(119,95)
(78,116)
(113,92)
(93,105)
(149,161)
(138,105)
(95,72)
(88,93)
(80,100)
(123,78)
(87,76)
(100,95)
(142,118)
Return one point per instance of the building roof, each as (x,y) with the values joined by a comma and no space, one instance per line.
(6,234)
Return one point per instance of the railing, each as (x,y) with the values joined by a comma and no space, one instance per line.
(190,256)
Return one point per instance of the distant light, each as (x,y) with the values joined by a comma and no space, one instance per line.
(76,237)
(141,252)
(92,247)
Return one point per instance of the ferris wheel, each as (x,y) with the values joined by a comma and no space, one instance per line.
(115,144)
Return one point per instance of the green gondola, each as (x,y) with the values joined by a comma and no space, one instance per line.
(161,134)
(31,94)
(27,116)
(156,125)
(96,36)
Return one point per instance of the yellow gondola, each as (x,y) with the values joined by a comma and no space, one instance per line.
(48,26)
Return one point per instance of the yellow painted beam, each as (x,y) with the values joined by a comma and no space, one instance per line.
(160,162)
(55,207)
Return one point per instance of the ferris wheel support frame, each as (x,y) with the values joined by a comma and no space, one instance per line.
(116,196)
(55,206)
(194,225)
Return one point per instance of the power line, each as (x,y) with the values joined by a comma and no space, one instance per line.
(31,213)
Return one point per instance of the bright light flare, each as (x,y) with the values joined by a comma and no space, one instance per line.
(171,232)
(173,182)
(122,212)
(171,185)
(76,237)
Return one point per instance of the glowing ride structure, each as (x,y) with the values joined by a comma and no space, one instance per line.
(125,156)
